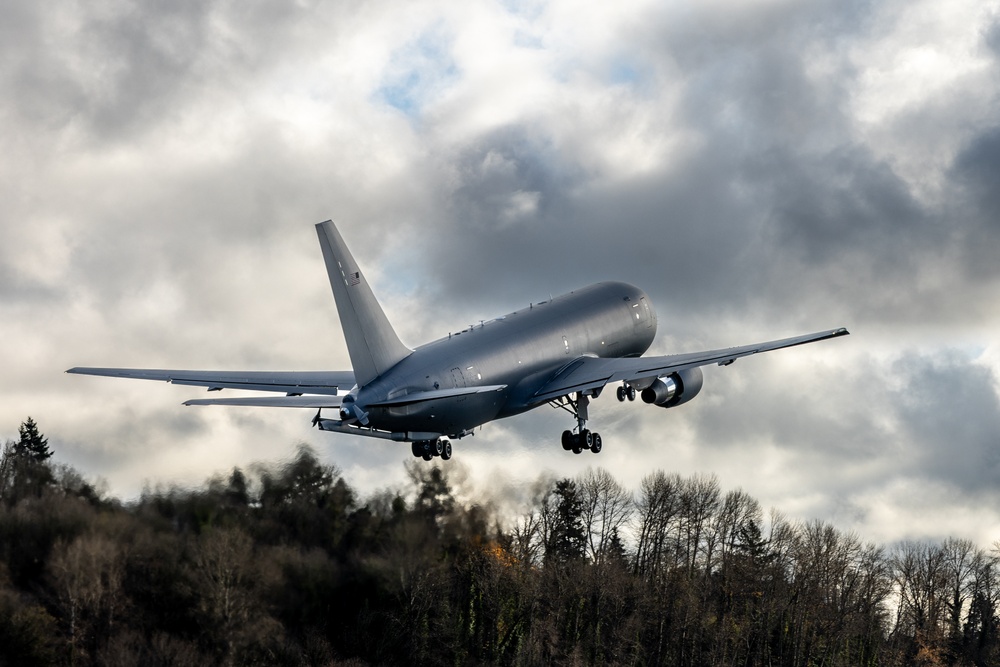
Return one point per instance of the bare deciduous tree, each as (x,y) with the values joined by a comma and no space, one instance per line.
(607,506)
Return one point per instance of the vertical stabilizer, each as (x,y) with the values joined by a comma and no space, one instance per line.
(371,341)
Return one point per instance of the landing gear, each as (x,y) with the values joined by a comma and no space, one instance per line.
(625,392)
(428,449)
(583,438)
(577,442)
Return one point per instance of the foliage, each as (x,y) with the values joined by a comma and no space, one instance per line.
(284,565)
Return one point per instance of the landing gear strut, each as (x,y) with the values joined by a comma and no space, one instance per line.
(428,449)
(583,438)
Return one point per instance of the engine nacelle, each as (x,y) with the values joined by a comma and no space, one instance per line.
(674,389)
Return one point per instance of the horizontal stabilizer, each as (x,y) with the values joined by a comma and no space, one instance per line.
(273,401)
(289,382)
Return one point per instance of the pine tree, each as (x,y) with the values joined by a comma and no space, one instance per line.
(25,469)
(566,540)
(32,443)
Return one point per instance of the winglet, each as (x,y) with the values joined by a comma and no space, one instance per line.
(371,340)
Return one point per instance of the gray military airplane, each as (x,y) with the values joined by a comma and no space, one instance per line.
(562,352)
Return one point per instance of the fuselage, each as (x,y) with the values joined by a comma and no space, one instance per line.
(520,351)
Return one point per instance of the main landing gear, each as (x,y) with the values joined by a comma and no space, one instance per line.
(428,449)
(583,438)
(626,392)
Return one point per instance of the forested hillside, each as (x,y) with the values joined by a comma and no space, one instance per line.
(287,565)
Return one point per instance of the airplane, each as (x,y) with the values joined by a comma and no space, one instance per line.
(562,352)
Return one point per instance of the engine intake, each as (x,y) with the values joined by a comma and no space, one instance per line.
(674,389)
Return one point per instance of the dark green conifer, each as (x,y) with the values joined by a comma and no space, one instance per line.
(32,443)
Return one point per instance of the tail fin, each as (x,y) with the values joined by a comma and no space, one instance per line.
(371,341)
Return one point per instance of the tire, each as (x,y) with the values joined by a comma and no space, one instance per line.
(567,440)
(597,444)
(446,450)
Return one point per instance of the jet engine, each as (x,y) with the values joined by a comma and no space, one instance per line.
(674,389)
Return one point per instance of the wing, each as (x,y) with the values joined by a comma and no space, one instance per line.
(324,401)
(592,372)
(289,382)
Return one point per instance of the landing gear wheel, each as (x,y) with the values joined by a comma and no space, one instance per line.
(416,449)
(596,444)
(630,392)
(437,447)
(576,449)
(586,439)
(446,452)
(620,393)
(427,456)
(567,440)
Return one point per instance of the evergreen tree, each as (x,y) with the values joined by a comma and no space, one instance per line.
(566,540)
(25,470)
(32,443)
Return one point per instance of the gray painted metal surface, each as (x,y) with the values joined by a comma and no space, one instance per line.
(564,350)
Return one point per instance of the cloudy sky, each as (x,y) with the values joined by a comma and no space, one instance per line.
(762,168)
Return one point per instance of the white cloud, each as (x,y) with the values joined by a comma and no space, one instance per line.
(757,167)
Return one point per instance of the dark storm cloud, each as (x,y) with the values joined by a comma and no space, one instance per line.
(950,417)
(977,168)
(825,207)
(933,416)
(778,196)
(991,35)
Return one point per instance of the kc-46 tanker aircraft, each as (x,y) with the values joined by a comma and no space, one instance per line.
(562,352)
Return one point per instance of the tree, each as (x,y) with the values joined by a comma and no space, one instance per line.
(606,507)
(87,576)
(32,444)
(657,508)
(24,470)
(6,468)
(563,515)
